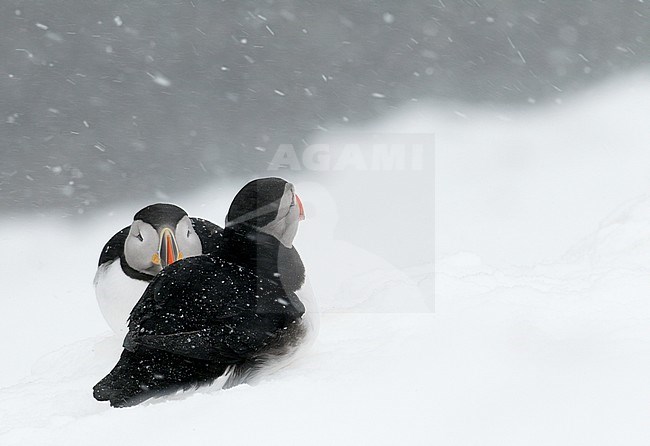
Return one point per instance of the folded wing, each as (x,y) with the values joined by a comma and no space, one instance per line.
(209,309)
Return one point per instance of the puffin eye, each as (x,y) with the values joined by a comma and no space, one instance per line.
(139,237)
(189,233)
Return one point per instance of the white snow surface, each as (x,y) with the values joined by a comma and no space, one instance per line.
(541,328)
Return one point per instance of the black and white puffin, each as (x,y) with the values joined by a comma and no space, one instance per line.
(159,235)
(235,313)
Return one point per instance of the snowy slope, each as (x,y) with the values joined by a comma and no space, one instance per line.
(541,329)
(60,347)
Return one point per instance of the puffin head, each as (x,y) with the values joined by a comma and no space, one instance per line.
(269,205)
(160,235)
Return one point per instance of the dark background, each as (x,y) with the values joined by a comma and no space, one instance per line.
(104,100)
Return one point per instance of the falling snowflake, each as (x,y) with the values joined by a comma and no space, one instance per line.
(160,79)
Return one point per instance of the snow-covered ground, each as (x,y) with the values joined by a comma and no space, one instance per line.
(541,328)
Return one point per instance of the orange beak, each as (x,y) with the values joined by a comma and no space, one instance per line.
(301,208)
(168,251)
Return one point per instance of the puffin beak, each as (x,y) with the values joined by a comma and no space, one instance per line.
(168,251)
(301,208)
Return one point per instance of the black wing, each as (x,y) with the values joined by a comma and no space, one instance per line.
(209,309)
(115,246)
(209,233)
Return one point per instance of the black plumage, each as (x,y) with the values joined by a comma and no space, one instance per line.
(202,317)
(257,203)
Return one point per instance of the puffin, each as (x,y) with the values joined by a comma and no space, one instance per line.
(236,313)
(160,235)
